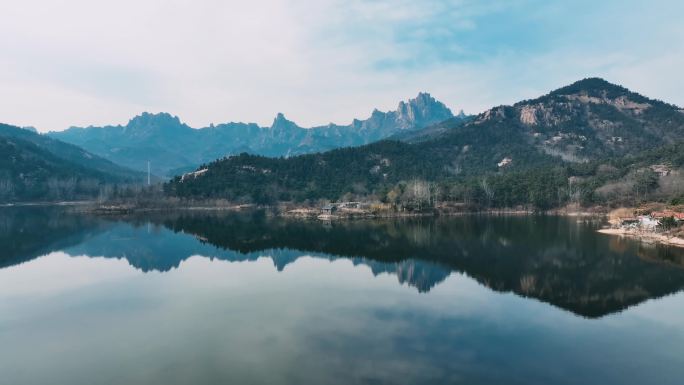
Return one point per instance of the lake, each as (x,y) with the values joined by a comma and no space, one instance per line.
(210,298)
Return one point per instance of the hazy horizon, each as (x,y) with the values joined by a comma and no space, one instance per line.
(78,63)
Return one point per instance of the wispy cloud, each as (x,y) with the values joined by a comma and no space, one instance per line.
(80,62)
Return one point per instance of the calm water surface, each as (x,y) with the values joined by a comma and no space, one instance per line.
(243,299)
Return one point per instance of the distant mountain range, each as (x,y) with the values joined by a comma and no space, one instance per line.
(591,132)
(37,167)
(173,147)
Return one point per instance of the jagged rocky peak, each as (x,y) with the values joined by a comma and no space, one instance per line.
(282,123)
(418,112)
(280,119)
(150,121)
(150,118)
(423,108)
(376,115)
(425,99)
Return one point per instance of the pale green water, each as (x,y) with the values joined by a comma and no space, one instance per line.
(247,300)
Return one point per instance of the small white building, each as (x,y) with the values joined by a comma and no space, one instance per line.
(349,205)
(648,223)
(504,162)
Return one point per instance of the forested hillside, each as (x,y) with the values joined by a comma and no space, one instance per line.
(592,142)
(34,167)
(69,152)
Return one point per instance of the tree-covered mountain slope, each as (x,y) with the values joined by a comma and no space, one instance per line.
(34,167)
(172,145)
(70,152)
(590,119)
(584,134)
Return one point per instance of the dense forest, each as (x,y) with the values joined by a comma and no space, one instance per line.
(34,167)
(346,175)
(591,143)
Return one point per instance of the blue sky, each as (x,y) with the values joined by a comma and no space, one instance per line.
(83,62)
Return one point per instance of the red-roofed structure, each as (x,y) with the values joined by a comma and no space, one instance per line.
(667,214)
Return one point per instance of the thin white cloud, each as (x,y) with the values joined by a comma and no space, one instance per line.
(82,62)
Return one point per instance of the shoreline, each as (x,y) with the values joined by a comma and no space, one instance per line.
(47,204)
(645,236)
(294,212)
(312,214)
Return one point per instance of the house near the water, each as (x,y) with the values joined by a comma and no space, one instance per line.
(350,205)
(648,223)
(328,209)
(642,222)
(629,222)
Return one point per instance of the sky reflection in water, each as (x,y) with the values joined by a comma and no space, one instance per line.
(107,306)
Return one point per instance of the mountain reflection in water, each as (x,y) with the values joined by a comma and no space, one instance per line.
(560,261)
